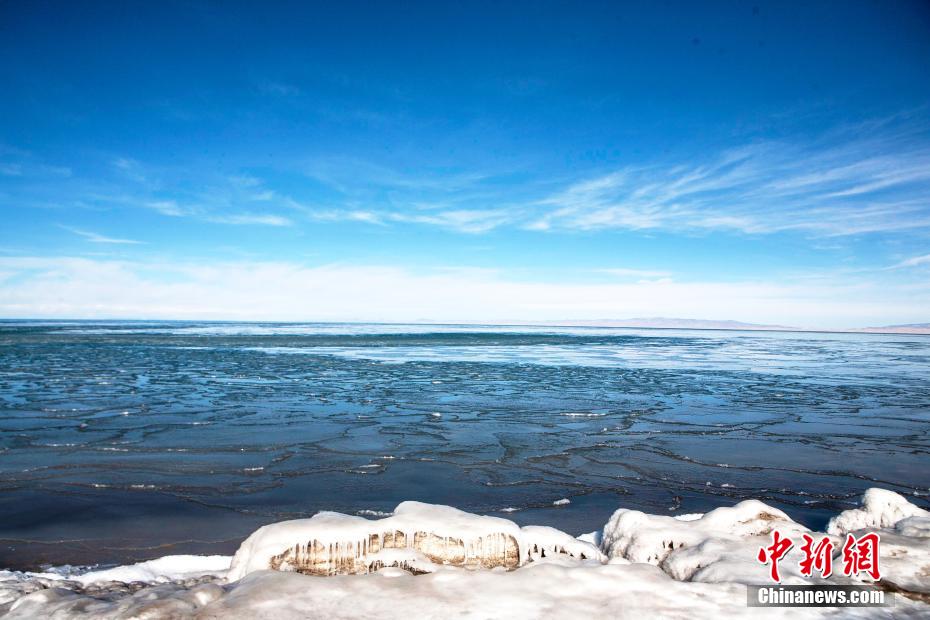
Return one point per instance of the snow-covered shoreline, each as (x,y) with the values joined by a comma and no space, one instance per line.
(431,561)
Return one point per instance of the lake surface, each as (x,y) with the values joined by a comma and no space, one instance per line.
(126,441)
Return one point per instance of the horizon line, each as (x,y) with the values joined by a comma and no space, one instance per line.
(917,329)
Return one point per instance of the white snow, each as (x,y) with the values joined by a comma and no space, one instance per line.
(163,569)
(721,546)
(441,562)
(547,590)
(880,508)
(717,547)
(905,536)
(547,542)
(641,537)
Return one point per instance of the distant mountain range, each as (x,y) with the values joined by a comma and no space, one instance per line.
(675,323)
(911,328)
(666,323)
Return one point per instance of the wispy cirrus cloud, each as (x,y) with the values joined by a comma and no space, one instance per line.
(914,261)
(458,200)
(220,201)
(168,207)
(871,178)
(460,220)
(341,215)
(840,185)
(22,164)
(97,238)
(469,221)
(358,177)
(251,218)
(624,272)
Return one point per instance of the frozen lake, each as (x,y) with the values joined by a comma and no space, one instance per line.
(132,440)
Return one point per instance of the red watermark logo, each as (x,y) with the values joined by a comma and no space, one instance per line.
(860,555)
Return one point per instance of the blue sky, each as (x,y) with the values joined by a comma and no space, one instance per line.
(475,161)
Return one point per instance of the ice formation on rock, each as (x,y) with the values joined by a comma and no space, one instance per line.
(880,509)
(415,537)
(720,546)
(717,547)
(905,539)
(641,537)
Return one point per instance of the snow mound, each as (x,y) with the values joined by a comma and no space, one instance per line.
(914,527)
(416,535)
(164,569)
(905,559)
(880,509)
(721,546)
(535,591)
(717,547)
(547,542)
(641,537)
(905,538)
(172,600)
(538,590)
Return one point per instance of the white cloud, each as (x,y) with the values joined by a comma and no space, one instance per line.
(167,207)
(131,169)
(872,178)
(623,272)
(250,218)
(84,288)
(172,209)
(96,238)
(24,164)
(340,215)
(865,179)
(848,186)
(461,220)
(913,262)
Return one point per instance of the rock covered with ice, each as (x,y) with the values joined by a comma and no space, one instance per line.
(415,537)
(905,538)
(541,542)
(683,547)
(721,546)
(880,509)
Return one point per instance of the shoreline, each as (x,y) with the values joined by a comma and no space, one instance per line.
(164,513)
(697,564)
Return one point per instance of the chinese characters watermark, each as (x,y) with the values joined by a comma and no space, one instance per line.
(859,555)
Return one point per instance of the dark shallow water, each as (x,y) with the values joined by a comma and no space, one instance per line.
(127,441)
